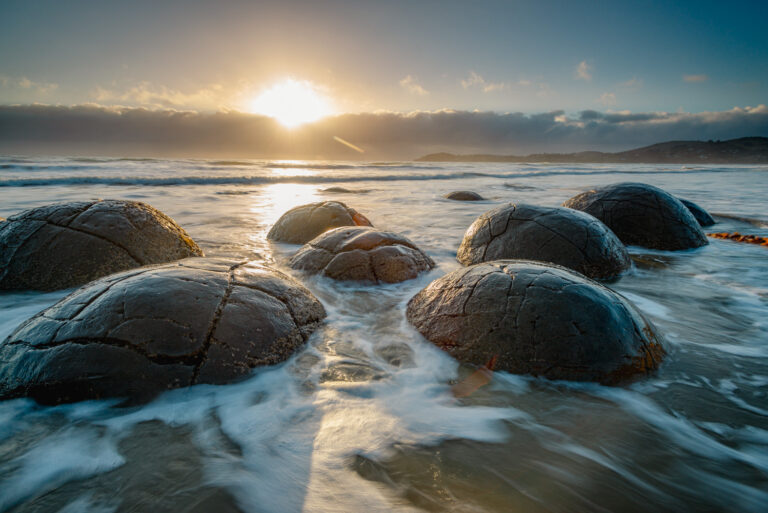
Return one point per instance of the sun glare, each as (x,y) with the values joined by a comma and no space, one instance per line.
(292,103)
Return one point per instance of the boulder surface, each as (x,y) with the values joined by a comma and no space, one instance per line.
(134,334)
(69,244)
(463,196)
(302,224)
(562,236)
(538,319)
(362,254)
(701,215)
(642,215)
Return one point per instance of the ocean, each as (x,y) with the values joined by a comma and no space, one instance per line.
(363,418)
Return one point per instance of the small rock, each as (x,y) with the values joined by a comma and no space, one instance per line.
(344,190)
(463,196)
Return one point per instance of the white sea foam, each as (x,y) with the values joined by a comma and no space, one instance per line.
(70,454)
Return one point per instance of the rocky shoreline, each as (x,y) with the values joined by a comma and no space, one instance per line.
(527,300)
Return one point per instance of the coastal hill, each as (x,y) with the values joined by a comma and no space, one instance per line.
(746,150)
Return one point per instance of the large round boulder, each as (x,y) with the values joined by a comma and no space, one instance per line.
(136,333)
(302,224)
(701,215)
(362,254)
(642,215)
(538,319)
(69,244)
(562,236)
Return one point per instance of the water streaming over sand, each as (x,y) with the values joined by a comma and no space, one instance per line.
(363,418)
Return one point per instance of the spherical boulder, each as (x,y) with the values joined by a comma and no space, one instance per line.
(701,215)
(362,254)
(302,224)
(69,244)
(463,196)
(642,215)
(134,334)
(534,318)
(562,236)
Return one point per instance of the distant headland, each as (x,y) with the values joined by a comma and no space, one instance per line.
(745,150)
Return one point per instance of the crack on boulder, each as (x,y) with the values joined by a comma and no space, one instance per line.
(287,305)
(362,254)
(208,340)
(145,318)
(371,266)
(187,360)
(116,244)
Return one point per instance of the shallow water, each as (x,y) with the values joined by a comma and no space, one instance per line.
(363,418)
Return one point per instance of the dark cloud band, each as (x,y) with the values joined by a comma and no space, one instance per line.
(94,129)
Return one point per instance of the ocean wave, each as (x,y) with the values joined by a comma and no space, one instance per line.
(203,180)
(112,159)
(372,165)
(309,179)
(48,167)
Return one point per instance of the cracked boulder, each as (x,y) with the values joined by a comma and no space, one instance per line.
(362,254)
(463,196)
(642,215)
(701,215)
(302,224)
(64,245)
(134,334)
(562,236)
(537,319)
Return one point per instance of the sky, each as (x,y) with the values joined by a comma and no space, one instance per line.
(528,58)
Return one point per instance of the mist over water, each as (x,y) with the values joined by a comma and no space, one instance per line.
(363,418)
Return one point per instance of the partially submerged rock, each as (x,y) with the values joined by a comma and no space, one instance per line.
(643,215)
(344,190)
(536,319)
(69,244)
(302,224)
(463,196)
(137,333)
(362,254)
(701,215)
(562,236)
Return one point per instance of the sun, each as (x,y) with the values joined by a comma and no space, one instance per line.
(292,103)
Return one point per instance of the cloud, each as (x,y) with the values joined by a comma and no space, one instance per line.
(583,71)
(695,78)
(472,79)
(97,130)
(632,83)
(23,83)
(477,80)
(410,84)
(607,99)
(147,95)
(493,86)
